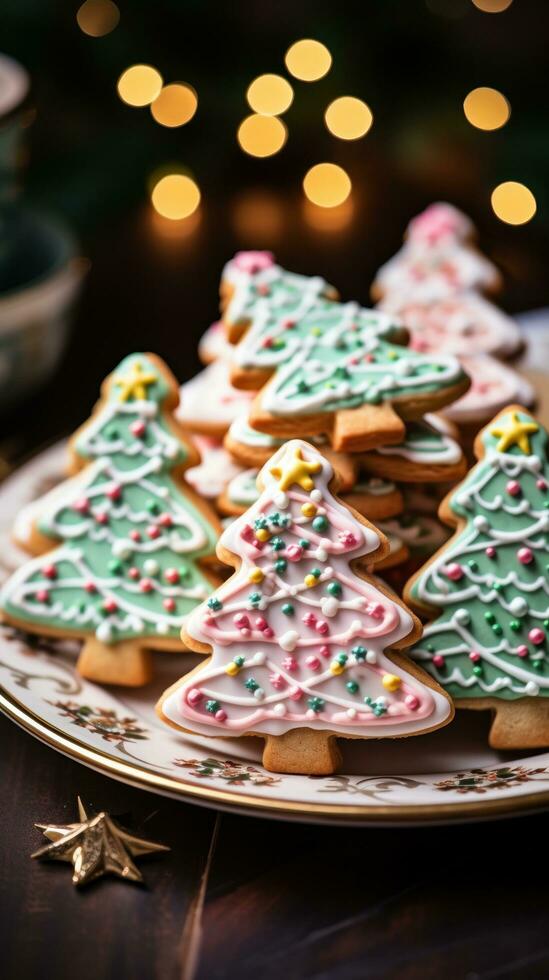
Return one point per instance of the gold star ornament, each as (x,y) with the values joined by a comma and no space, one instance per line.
(513,432)
(134,384)
(95,846)
(294,469)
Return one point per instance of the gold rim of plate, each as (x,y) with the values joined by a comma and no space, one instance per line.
(292,810)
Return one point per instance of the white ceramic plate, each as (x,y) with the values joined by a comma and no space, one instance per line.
(449,775)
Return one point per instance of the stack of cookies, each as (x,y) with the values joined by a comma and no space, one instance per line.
(322,435)
(288,358)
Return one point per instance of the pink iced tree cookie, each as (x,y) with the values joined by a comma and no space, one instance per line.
(297,636)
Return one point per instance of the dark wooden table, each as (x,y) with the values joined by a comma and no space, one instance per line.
(243,898)
(239,897)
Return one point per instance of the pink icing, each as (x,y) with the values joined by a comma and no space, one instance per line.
(253,262)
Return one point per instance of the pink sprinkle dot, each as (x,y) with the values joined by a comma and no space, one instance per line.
(114,492)
(171,575)
(138,428)
(43,595)
(133,572)
(454,571)
(209,620)
(110,606)
(289,324)
(541,484)
(525,555)
(522,650)
(312,662)
(263,289)
(289,663)
(253,261)
(375,610)
(146,585)
(411,702)
(438,660)
(490,551)
(536,636)
(309,619)
(153,531)
(135,536)
(261,623)
(49,571)
(169,605)
(295,693)
(247,533)
(267,342)
(268,633)
(322,627)
(348,539)
(474,656)
(165,520)
(513,488)
(101,517)
(194,696)
(324,650)
(277,681)
(294,552)
(82,505)
(245,633)
(90,587)
(241,621)
(220,715)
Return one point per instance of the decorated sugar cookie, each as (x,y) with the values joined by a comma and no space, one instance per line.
(125,539)
(493,386)
(296,637)
(216,468)
(463,324)
(239,494)
(428,453)
(488,585)
(253,448)
(436,261)
(209,402)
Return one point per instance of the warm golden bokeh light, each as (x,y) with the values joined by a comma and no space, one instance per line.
(139,85)
(258,216)
(270,95)
(486,108)
(513,203)
(327,185)
(175,196)
(175,105)
(348,118)
(308,60)
(97,17)
(329,219)
(492,6)
(261,136)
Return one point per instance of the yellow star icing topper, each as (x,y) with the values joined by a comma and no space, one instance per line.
(514,433)
(294,469)
(96,846)
(134,384)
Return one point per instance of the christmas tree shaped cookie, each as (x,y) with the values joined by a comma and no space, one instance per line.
(489,585)
(328,368)
(126,540)
(297,637)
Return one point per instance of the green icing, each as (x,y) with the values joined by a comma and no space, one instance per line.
(491,608)
(127,487)
(327,355)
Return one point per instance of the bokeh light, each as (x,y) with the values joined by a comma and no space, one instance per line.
(175,196)
(97,17)
(486,108)
(348,118)
(270,95)
(329,220)
(327,185)
(513,203)
(139,85)
(175,105)
(261,136)
(258,216)
(308,60)
(492,6)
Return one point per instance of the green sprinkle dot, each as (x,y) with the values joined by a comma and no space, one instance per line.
(115,567)
(497,587)
(254,597)
(214,604)
(359,652)
(430,648)
(153,507)
(212,706)
(537,664)
(251,684)
(473,565)
(288,609)
(515,625)
(304,543)
(342,658)
(320,523)
(489,617)
(334,588)
(281,565)
(497,629)
(277,544)
(239,660)
(352,687)
(477,670)
(316,704)
(317,572)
